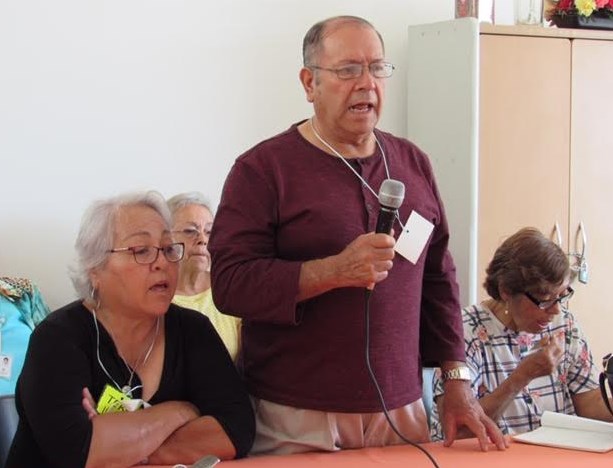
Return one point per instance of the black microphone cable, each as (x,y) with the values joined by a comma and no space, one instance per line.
(376,384)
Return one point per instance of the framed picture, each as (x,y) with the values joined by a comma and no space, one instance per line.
(483,10)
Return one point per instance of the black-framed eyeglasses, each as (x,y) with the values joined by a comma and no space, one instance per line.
(148,254)
(355,70)
(543,305)
(192,232)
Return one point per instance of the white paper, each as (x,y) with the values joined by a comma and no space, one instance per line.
(570,432)
(413,239)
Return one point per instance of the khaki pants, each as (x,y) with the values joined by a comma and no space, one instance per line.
(283,429)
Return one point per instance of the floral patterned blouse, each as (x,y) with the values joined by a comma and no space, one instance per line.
(494,351)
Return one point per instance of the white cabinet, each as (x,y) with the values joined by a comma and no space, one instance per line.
(515,120)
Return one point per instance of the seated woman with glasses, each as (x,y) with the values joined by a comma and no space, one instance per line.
(525,351)
(122,376)
(192,223)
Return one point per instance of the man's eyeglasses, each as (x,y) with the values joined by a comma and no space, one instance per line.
(355,70)
(543,305)
(148,254)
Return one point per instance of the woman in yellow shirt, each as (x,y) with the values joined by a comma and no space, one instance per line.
(192,223)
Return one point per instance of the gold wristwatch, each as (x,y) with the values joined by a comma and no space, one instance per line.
(457,373)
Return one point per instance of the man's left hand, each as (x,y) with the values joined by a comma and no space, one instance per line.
(460,410)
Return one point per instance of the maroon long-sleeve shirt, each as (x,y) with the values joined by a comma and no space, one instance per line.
(285,202)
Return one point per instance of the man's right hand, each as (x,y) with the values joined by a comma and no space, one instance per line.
(363,263)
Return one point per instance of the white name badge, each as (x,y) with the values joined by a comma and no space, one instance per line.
(6,363)
(414,237)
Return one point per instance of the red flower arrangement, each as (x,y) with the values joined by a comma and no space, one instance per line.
(585,8)
(590,14)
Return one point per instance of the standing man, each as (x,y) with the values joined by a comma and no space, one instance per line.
(293,250)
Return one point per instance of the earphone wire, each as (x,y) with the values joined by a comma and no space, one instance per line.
(98,351)
(373,378)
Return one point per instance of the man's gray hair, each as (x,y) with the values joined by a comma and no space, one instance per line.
(95,237)
(188,198)
(312,42)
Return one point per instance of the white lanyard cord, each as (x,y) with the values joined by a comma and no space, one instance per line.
(387,171)
(336,153)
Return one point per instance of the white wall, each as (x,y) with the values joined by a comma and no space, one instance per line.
(104,96)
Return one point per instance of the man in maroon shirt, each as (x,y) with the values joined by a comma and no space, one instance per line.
(293,249)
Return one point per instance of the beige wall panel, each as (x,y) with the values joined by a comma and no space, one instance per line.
(524,139)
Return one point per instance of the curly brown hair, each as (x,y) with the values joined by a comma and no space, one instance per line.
(526,261)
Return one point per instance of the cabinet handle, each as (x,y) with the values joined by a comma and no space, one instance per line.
(581,266)
(583,238)
(557,233)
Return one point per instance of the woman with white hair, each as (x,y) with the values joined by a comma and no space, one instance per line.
(122,376)
(192,223)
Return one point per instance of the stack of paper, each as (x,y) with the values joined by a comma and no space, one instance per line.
(570,432)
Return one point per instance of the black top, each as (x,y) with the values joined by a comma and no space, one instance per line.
(54,430)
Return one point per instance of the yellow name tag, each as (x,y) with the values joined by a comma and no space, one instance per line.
(110,401)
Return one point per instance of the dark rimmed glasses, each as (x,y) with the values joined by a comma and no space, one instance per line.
(148,254)
(355,70)
(543,305)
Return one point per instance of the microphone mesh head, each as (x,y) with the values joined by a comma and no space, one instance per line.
(391,193)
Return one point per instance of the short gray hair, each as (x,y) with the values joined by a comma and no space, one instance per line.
(312,42)
(188,198)
(95,236)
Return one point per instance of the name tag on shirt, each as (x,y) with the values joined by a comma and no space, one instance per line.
(6,362)
(414,237)
(111,401)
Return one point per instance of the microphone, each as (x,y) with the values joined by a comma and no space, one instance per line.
(391,195)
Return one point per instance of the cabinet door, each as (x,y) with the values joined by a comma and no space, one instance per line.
(524,139)
(592,187)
